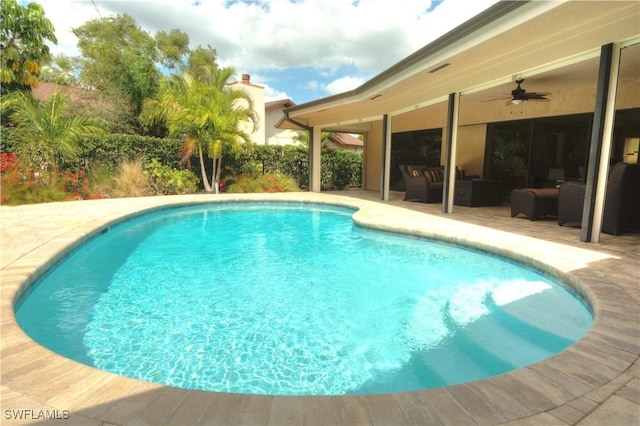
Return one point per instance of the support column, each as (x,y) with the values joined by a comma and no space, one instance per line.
(601,141)
(315,182)
(385,175)
(449,186)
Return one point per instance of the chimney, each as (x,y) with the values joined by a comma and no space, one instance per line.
(246,78)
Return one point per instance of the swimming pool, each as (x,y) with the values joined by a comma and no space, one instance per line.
(410,324)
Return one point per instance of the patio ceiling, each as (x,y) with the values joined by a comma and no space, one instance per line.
(552,45)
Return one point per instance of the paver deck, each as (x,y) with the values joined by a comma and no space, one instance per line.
(595,381)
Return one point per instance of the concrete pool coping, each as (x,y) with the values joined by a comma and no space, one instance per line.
(571,387)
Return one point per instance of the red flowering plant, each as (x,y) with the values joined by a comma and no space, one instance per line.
(7,160)
(20,185)
(75,184)
(9,174)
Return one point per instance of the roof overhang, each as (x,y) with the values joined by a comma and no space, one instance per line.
(511,39)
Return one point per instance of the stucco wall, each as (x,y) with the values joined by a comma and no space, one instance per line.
(433,117)
(257,96)
(470,150)
(372,157)
(474,116)
(275,136)
(562,102)
(480,111)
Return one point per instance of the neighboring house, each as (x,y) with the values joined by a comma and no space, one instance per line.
(273,113)
(269,113)
(256,93)
(343,141)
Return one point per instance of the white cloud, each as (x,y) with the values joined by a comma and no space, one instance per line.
(329,37)
(344,84)
(271,94)
(311,85)
(277,34)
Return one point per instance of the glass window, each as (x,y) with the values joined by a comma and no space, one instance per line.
(421,147)
(539,152)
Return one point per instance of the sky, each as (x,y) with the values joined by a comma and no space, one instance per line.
(302,50)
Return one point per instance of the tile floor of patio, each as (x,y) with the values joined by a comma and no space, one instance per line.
(594,382)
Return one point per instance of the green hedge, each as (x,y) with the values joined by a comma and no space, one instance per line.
(340,169)
(109,150)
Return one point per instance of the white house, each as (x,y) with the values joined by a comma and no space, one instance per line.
(268,114)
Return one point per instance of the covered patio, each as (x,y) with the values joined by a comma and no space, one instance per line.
(582,57)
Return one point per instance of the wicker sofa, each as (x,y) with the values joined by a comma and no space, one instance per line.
(425,183)
(622,200)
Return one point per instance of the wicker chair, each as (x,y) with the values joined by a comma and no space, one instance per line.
(622,200)
(418,187)
(570,203)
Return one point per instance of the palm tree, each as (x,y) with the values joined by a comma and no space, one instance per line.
(45,135)
(303,137)
(206,114)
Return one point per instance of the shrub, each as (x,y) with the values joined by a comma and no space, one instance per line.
(167,180)
(131,181)
(339,169)
(270,182)
(110,150)
(101,180)
(75,184)
(19,186)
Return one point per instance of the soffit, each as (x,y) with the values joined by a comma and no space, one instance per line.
(566,30)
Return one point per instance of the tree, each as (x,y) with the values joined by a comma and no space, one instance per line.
(206,115)
(303,137)
(61,69)
(172,47)
(44,135)
(200,61)
(23,32)
(119,57)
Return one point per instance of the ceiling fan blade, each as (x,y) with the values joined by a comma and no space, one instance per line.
(534,95)
(541,99)
(501,98)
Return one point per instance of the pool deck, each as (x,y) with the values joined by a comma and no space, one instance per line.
(594,382)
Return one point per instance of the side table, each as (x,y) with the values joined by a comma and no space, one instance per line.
(479,192)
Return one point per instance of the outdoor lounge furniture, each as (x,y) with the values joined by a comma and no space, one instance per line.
(534,203)
(425,183)
(621,205)
(479,193)
(418,187)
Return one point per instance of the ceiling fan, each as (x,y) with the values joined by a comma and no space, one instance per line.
(518,95)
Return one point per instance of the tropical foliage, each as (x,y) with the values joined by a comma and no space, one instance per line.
(268,182)
(165,180)
(44,135)
(207,115)
(24,31)
(92,143)
(119,58)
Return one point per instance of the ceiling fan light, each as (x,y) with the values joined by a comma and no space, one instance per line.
(516,101)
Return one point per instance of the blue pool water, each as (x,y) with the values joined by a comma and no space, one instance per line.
(294,299)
